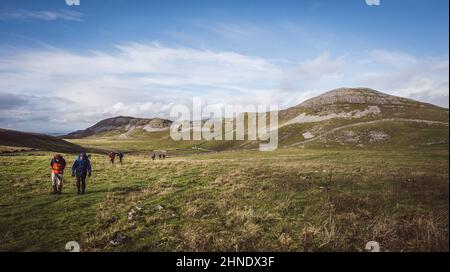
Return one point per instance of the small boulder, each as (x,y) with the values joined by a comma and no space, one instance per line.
(120,238)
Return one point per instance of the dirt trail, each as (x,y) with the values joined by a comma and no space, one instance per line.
(368,123)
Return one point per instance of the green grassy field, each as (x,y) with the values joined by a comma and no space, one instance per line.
(287,200)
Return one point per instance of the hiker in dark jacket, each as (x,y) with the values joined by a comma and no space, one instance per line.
(120,154)
(58,164)
(80,169)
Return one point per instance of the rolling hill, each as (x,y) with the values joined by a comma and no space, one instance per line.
(13,140)
(345,117)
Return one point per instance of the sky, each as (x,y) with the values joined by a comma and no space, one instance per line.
(64,68)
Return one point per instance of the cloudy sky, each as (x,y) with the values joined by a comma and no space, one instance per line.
(64,67)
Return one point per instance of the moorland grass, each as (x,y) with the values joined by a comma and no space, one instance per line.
(287,200)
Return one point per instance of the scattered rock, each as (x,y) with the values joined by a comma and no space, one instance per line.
(119,239)
(370,110)
(306,118)
(435,143)
(377,136)
(350,136)
(159,208)
(325,188)
(133,213)
(308,135)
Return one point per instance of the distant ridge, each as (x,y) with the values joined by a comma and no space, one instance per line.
(123,124)
(37,141)
(343,117)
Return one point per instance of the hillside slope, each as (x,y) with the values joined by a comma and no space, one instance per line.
(44,142)
(362,117)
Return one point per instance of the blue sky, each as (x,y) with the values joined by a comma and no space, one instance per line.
(105,58)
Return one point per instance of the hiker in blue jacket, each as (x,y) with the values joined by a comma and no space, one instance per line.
(81,168)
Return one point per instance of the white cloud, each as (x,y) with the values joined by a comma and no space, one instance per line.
(145,80)
(65,15)
(322,66)
(147,109)
(422,78)
(135,79)
(396,59)
(425,79)
(322,72)
(236,31)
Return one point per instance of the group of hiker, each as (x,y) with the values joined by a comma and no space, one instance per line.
(81,169)
(160,155)
(112,156)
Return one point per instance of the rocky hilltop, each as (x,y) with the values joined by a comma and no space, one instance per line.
(358,103)
(355,96)
(122,124)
